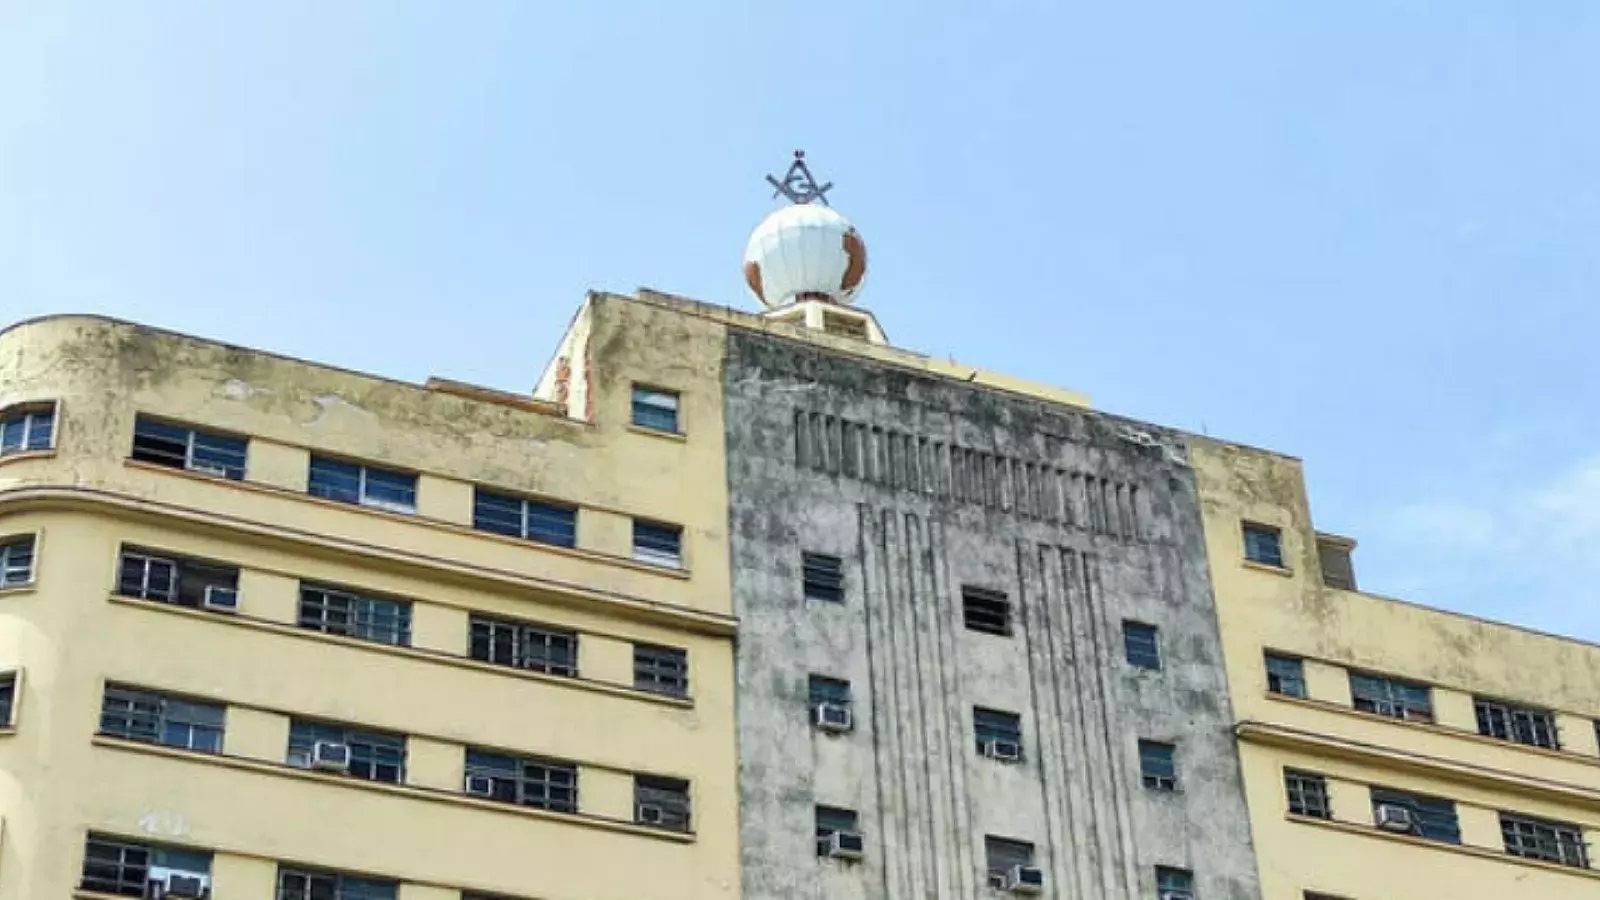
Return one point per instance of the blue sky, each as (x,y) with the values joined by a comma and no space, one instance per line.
(1363,233)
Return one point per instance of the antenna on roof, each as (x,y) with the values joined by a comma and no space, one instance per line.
(798,184)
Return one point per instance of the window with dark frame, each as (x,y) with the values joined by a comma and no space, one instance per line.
(520,517)
(1522,724)
(153,717)
(655,409)
(169,578)
(831,820)
(1286,675)
(1174,884)
(374,755)
(311,884)
(1158,767)
(27,428)
(1391,697)
(16,560)
(1433,818)
(823,577)
(658,544)
(190,449)
(123,867)
(332,610)
(1308,794)
(823,689)
(1141,644)
(8,699)
(1002,856)
(661,802)
(991,727)
(1263,544)
(1554,842)
(1334,556)
(523,780)
(523,645)
(661,670)
(362,485)
(985,610)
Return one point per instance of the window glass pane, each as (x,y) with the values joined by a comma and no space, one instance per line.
(1261,544)
(549,524)
(1157,766)
(219,454)
(496,513)
(335,480)
(657,544)
(1141,645)
(656,410)
(1286,676)
(829,690)
(16,561)
(1431,817)
(664,670)
(390,489)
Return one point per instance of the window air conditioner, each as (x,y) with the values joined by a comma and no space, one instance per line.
(174,885)
(650,815)
(833,717)
(1394,818)
(1005,751)
(330,756)
(480,785)
(846,845)
(1025,880)
(221,598)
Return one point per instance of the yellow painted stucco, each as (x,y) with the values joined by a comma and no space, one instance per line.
(68,633)
(1289,611)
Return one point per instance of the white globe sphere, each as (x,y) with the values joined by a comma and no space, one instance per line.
(805,252)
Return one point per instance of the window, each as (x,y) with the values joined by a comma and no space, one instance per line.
(374,756)
(655,409)
(1431,817)
(113,865)
(985,610)
(1174,884)
(525,781)
(156,718)
(16,561)
(1286,675)
(829,690)
(1334,555)
(831,820)
(27,428)
(662,670)
(1140,643)
(8,699)
(999,734)
(658,545)
(1003,856)
(1391,697)
(661,802)
(524,646)
(1525,725)
(1158,768)
(362,485)
(164,578)
(333,611)
(1263,544)
(542,523)
(1555,842)
(304,884)
(178,447)
(1308,794)
(823,577)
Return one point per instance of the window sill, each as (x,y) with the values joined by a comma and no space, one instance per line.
(433,795)
(239,620)
(26,455)
(7,731)
(1267,567)
(28,588)
(1465,849)
(679,436)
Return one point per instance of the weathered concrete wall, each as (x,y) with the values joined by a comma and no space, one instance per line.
(921,485)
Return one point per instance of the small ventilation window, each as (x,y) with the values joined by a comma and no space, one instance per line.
(986,610)
(1158,767)
(1141,644)
(1263,544)
(823,577)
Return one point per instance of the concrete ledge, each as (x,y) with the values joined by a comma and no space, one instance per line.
(1463,849)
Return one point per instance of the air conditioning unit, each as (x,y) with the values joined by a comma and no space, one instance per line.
(650,815)
(834,717)
(845,845)
(480,785)
(206,468)
(1005,751)
(1394,818)
(171,885)
(330,756)
(221,598)
(1025,880)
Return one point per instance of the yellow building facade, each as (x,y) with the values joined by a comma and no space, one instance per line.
(1391,751)
(271,629)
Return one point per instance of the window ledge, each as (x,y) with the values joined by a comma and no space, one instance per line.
(81,894)
(434,795)
(26,455)
(240,620)
(1267,567)
(28,588)
(1436,728)
(679,436)
(1465,849)
(7,730)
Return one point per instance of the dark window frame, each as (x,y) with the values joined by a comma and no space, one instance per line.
(651,544)
(1002,854)
(379,756)
(989,724)
(822,577)
(1528,837)
(1174,881)
(335,473)
(158,717)
(987,611)
(121,866)
(1526,725)
(832,819)
(1158,765)
(19,554)
(671,796)
(822,689)
(660,669)
(1391,698)
(646,409)
(185,580)
(10,688)
(21,426)
(526,518)
(353,614)
(1307,793)
(1263,544)
(530,781)
(1290,679)
(174,445)
(1432,818)
(302,883)
(1141,645)
(516,644)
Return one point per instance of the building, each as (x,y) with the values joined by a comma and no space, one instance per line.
(271,629)
(1391,750)
(977,654)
